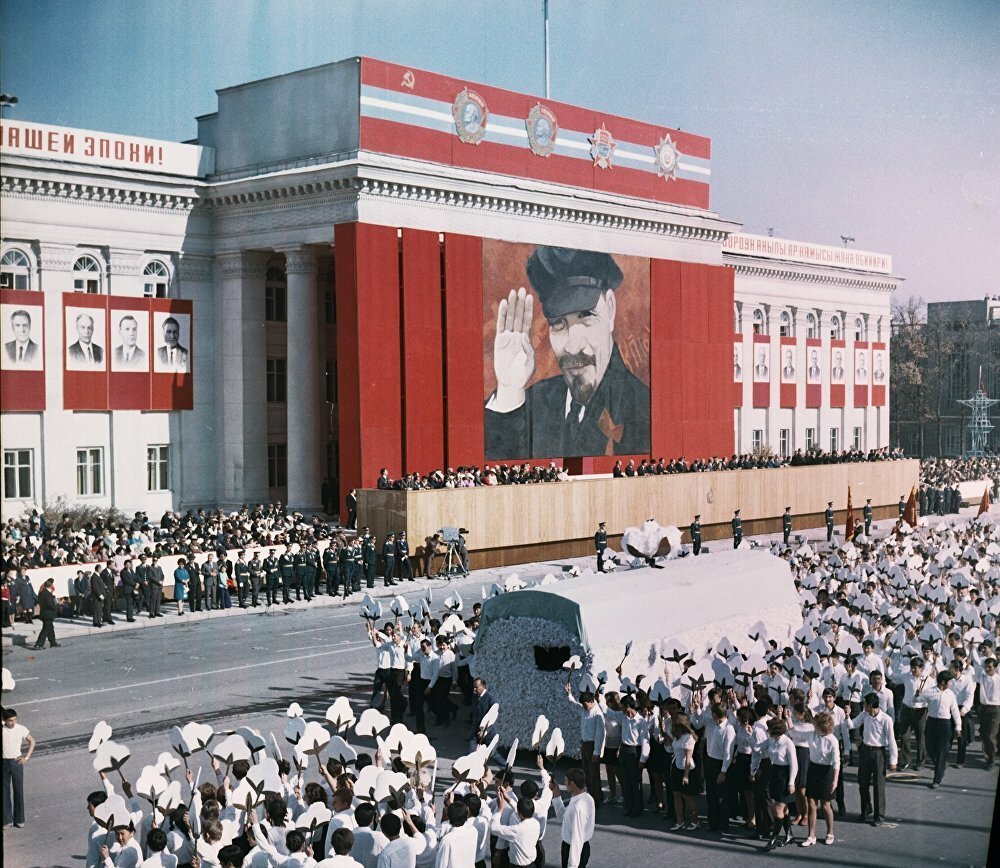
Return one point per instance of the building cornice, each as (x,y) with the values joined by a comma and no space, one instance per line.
(799,273)
(98,194)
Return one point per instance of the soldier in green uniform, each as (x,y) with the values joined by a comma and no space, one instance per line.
(369,557)
(344,557)
(867,513)
(786,524)
(600,543)
(242,570)
(901,505)
(829,521)
(330,567)
(696,535)
(357,565)
(286,565)
(272,570)
(299,573)
(388,559)
(312,568)
(256,574)
(737,529)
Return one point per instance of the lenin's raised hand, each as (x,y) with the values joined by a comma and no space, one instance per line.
(513,353)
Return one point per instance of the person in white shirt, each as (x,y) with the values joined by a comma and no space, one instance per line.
(989,709)
(780,780)
(822,776)
(577,819)
(521,837)
(459,846)
(720,738)
(613,715)
(870,661)
(125,853)
(592,737)
(342,817)
(963,686)
(159,856)
(402,850)
(632,757)
(368,842)
(96,835)
(341,841)
(877,740)
(887,701)
(440,687)
(426,665)
(14,736)
(943,720)
(913,712)
(842,732)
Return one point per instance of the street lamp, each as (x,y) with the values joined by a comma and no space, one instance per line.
(7,100)
(847,239)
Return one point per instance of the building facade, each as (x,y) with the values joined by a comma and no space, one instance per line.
(331,253)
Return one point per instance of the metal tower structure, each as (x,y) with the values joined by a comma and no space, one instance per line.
(979,425)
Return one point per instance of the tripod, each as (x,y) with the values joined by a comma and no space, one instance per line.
(451,561)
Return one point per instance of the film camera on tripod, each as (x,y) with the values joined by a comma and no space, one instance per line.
(455,554)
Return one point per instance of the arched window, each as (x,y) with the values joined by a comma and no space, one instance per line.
(758,322)
(87,275)
(15,270)
(785,326)
(811,327)
(859,329)
(156,280)
(836,328)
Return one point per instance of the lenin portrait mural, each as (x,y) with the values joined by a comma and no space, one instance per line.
(566,352)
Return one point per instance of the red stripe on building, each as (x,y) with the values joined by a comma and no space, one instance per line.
(24,390)
(838,391)
(878,391)
(787,390)
(861,389)
(85,390)
(665,358)
(131,390)
(172,391)
(814,391)
(761,391)
(738,386)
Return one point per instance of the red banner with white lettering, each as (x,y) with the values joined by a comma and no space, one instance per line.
(880,373)
(814,372)
(22,362)
(172,331)
(85,351)
(789,365)
(838,373)
(761,362)
(739,366)
(862,373)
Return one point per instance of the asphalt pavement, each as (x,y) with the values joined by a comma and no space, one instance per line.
(246,667)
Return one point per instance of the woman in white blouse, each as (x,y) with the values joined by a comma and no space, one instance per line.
(800,730)
(612,741)
(685,776)
(738,778)
(821,779)
(780,781)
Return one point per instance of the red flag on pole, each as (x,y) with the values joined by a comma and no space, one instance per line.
(849,525)
(984,504)
(912,512)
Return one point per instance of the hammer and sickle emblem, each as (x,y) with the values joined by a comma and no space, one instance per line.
(408,79)
(611,430)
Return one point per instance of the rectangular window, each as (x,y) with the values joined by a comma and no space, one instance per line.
(785,442)
(331,381)
(277,465)
(18,474)
(90,471)
(87,284)
(155,289)
(811,442)
(952,440)
(758,439)
(276,304)
(157,468)
(13,280)
(834,439)
(277,381)
(857,438)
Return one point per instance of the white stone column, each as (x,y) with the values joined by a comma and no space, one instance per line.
(305,469)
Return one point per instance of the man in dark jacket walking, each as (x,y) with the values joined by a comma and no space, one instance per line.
(48,608)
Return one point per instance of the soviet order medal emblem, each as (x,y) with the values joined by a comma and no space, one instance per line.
(470,114)
(542,128)
(602,147)
(667,156)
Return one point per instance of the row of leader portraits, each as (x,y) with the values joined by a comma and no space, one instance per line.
(133,347)
(814,367)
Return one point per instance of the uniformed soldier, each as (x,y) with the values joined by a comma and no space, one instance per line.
(403,557)
(256,574)
(786,524)
(330,568)
(737,529)
(600,543)
(344,559)
(357,565)
(272,571)
(388,560)
(867,512)
(312,570)
(369,558)
(286,565)
(142,580)
(696,535)
(241,569)
(299,573)
(901,505)
(829,520)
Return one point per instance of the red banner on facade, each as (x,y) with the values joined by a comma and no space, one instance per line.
(838,373)
(789,372)
(862,373)
(814,372)
(22,361)
(85,351)
(761,370)
(739,365)
(880,374)
(129,386)
(171,326)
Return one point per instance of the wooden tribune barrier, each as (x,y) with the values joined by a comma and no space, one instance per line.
(512,524)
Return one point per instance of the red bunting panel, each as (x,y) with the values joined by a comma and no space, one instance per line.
(22,358)
(129,353)
(85,351)
(880,373)
(171,326)
(862,373)
(739,370)
(814,372)
(761,370)
(788,371)
(838,373)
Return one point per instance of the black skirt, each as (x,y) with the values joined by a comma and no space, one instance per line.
(819,782)
(658,758)
(692,787)
(777,783)
(802,755)
(739,773)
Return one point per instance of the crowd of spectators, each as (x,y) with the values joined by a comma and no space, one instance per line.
(750,461)
(470,477)
(940,472)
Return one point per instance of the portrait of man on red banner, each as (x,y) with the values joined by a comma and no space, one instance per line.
(880,374)
(762,363)
(861,369)
(788,364)
(814,370)
(566,342)
(85,330)
(172,334)
(837,372)
(737,361)
(21,330)
(130,339)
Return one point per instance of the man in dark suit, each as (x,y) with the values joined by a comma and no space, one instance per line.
(351,502)
(128,356)
(172,356)
(482,701)
(84,351)
(596,405)
(403,557)
(130,590)
(22,350)
(788,371)
(272,572)
(97,598)
(814,371)
(155,578)
(369,557)
(48,608)
(108,583)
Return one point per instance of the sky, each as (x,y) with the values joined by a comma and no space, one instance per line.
(875,120)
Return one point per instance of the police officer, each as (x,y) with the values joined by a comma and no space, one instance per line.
(299,573)
(256,569)
(369,558)
(357,565)
(786,524)
(737,529)
(272,571)
(600,543)
(867,513)
(344,556)
(312,568)
(330,569)
(828,515)
(142,580)
(286,565)
(901,505)
(242,570)
(388,560)
(403,557)
(696,535)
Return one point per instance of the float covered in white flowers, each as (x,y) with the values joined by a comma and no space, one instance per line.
(526,636)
